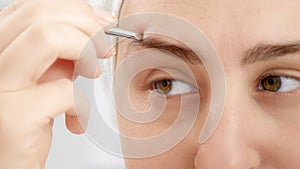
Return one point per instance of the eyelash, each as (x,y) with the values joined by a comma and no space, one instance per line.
(151,84)
(260,78)
(151,87)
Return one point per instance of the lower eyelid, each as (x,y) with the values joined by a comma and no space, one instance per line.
(280,95)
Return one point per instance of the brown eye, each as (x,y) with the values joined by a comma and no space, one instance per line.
(271,83)
(163,86)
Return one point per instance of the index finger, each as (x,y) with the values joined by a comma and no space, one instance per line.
(25,60)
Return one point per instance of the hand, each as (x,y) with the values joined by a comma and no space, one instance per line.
(40,40)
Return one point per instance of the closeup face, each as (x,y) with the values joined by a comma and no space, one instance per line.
(258,43)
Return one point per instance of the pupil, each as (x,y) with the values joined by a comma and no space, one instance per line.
(271,81)
(164,83)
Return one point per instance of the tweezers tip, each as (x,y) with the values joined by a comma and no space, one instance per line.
(124,33)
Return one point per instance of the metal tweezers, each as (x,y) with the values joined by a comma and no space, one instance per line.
(124,33)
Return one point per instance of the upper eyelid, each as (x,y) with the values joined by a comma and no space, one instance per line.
(259,79)
(163,73)
(151,83)
(197,89)
(279,72)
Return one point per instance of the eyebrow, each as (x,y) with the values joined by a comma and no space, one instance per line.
(183,52)
(258,53)
(265,52)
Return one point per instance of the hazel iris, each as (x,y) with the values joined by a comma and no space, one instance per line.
(271,83)
(163,86)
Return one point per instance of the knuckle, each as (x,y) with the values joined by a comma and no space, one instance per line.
(16,5)
(40,34)
(37,31)
(20,5)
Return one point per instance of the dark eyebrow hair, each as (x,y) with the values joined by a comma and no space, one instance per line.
(183,52)
(265,52)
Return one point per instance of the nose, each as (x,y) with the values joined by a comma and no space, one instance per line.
(235,143)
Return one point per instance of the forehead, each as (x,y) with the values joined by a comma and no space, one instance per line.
(247,21)
(217,10)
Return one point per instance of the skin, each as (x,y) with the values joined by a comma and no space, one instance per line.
(259,129)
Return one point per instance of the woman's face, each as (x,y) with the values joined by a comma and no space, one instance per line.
(258,43)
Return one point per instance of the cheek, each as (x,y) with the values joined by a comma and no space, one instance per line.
(152,129)
(282,139)
(283,106)
(284,149)
(182,156)
(179,157)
